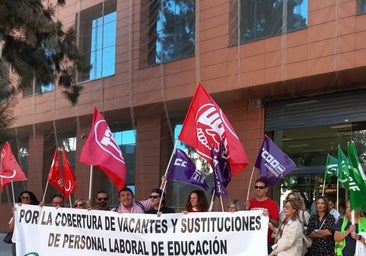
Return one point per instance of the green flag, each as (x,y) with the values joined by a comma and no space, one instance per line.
(357,188)
(343,169)
(331,167)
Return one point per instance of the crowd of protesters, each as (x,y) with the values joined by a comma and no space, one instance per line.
(292,231)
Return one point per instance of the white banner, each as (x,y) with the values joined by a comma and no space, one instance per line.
(68,232)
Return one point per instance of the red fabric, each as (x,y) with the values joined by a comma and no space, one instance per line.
(54,175)
(10,170)
(69,177)
(205,126)
(101,150)
(272,208)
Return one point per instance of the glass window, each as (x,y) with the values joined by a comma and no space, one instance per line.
(98,28)
(265,18)
(361,6)
(127,141)
(172,32)
(308,148)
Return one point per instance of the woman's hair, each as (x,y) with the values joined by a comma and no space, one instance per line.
(33,198)
(297,196)
(236,203)
(202,201)
(297,205)
(326,204)
(80,200)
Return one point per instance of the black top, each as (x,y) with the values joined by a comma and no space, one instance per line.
(163,209)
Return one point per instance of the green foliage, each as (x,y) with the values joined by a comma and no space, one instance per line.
(37,48)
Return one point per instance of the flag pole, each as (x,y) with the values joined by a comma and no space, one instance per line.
(12,191)
(337,204)
(323,187)
(45,191)
(212,199)
(90,181)
(166,171)
(249,186)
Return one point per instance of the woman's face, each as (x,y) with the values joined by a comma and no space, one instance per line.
(194,200)
(232,208)
(288,210)
(25,198)
(320,205)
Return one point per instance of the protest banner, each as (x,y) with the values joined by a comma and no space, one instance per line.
(66,232)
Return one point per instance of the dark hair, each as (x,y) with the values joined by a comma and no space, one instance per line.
(58,195)
(262,181)
(326,203)
(33,198)
(126,189)
(161,194)
(202,201)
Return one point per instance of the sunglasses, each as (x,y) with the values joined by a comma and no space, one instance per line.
(259,187)
(102,199)
(154,197)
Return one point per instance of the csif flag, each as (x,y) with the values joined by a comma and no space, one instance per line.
(182,169)
(10,170)
(343,169)
(206,126)
(272,163)
(331,167)
(357,186)
(69,176)
(54,175)
(101,150)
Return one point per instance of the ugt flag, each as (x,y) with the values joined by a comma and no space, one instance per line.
(272,162)
(54,175)
(357,190)
(182,169)
(69,176)
(10,170)
(206,126)
(101,150)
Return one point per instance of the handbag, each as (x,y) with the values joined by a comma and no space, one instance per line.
(307,241)
(8,237)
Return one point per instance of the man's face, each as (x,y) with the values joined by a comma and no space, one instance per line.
(126,198)
(57,202)
(102,200)
(260,189)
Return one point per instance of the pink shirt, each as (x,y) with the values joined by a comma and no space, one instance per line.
(136,208)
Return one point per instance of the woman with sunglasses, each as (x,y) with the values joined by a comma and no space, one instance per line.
(26,197)
(288,240)
(157,199)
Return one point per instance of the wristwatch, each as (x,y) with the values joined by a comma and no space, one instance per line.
(316,230)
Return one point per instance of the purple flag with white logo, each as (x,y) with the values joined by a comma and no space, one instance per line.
(183,169)
(272,162)
(220,182)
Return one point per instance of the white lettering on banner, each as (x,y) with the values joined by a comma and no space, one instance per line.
(68,232)
(272,164)
(180,162)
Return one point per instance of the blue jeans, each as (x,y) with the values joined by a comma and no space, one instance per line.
(269,244)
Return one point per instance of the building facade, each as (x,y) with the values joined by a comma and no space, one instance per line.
(293,70)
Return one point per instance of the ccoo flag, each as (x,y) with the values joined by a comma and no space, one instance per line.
(206,126)
(10,170)
(272,162)
(183,169)
(101,150)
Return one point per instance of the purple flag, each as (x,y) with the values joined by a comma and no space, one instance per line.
(272,162)
(224,164)
(183,169)
(219,181)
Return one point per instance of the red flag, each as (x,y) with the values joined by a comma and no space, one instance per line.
(206,126)
(101,150)
(54,176)
(10,170)
(69,176)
